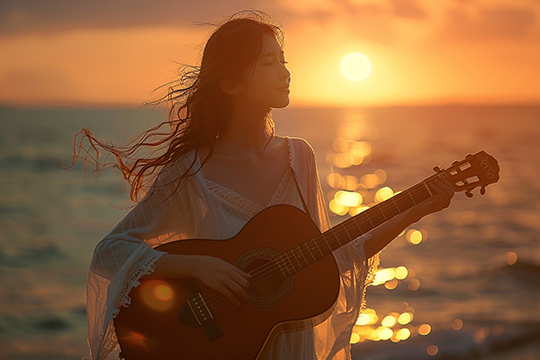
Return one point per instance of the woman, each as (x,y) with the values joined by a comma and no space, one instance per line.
(220,165)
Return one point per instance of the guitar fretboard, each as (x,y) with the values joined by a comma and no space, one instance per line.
(315,249)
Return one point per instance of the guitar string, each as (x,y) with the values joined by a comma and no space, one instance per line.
(218,299)
(273,266)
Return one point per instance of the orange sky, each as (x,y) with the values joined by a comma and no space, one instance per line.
(422,51)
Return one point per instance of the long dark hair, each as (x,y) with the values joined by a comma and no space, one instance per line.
(198,106)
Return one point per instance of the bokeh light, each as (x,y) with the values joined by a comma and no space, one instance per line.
(414,284)
(389,321)
(457,324)
(510,258)
(401,272)
(414,236)
(405,318)
(424,329)
(432,350)
(383,194)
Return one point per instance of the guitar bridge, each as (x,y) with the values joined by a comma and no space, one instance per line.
(199,309)
(195,313)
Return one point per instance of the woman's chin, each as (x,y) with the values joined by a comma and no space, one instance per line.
(282,104)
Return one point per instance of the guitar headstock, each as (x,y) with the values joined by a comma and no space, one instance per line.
(478,170)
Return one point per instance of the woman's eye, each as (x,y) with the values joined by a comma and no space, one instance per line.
(270,64)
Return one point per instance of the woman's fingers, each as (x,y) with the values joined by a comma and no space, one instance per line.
(239,290)
(225,291)
(242,278)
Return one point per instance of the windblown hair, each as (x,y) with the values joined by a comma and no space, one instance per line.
(198,107)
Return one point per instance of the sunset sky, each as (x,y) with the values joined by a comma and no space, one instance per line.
(422,52)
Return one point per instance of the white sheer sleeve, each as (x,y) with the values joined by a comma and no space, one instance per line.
(123,256)
(332,337)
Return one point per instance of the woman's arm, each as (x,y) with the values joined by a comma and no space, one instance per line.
(384,234)
(215,273)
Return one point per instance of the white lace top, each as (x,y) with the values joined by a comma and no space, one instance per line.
(200,208)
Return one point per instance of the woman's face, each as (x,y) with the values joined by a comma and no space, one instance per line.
(269,83)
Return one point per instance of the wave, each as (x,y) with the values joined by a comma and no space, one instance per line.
(479,340)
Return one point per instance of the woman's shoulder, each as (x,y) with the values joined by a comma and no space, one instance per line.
(298,145)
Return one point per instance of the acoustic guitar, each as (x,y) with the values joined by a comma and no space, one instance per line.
(294,286)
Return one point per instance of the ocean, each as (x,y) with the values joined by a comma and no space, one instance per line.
(459,284)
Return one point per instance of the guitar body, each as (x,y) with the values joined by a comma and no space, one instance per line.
(294,286)
(161,324)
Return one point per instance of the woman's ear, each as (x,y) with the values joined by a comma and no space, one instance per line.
(231,86)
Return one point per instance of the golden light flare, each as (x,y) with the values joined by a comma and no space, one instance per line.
(355,67)
(335,180)
(414,236)
(357,210)
(432,350)
(383,194)
(389,321)
(388,329)
(392,284)
(424,329)
(367,317)
(510,258)
(337,208)
(361,148)
(157,295)
(370,180)
(385,333)
(136,340)
(381,174)
(401,272)
(390,276)
(348,198)
(405,318)
(163,292)
(481,334)
(361,189)
(350,182)
(402,334)
(457,324)
(414,284)
(382,276)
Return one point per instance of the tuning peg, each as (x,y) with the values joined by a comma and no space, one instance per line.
(468,155)
(482,190)
(455,162)
(468,193)
(437,169)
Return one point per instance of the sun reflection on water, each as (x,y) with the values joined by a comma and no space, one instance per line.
(353,191)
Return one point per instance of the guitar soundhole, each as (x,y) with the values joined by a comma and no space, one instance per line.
(268,286)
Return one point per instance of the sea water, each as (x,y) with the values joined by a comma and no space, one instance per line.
(471,281)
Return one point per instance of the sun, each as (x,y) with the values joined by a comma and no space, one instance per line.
(355,67)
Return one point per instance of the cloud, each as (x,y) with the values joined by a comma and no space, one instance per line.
(408,9)
(498,23)
(23,16)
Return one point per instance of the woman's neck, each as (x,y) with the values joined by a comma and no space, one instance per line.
(244,133)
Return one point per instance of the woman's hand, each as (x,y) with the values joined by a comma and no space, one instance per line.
(223,277)
(384,234)
(441,200)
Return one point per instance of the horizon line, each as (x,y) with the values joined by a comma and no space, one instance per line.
(131,106)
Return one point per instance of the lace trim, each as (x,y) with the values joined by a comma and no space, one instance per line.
(231,197)
(124,299)
(108,337)
(282,186)
(371,264)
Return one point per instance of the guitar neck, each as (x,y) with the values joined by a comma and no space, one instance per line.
(315,249)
